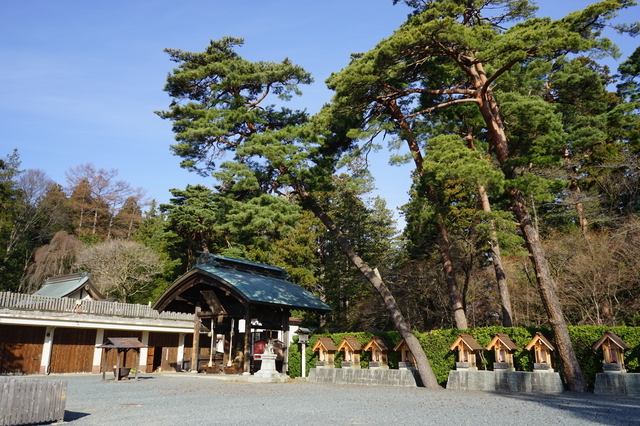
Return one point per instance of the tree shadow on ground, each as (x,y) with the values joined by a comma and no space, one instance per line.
(601,409)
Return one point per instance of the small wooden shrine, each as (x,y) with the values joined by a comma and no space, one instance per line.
(503,348)
(379,352)
(326,352)
(468,349)
(122,345)
(613,352)
(406,357)
(542,349)
(352,350)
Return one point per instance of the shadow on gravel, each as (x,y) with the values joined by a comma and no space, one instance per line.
(606,410)
(70,416)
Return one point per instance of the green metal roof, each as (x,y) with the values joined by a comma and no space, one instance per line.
(267,289)
(64,285)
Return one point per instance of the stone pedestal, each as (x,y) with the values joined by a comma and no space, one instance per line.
(505,381)
(365,377)
(268,367)
(542,368)
(617,384)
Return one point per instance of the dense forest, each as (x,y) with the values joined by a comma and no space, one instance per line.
(523,209)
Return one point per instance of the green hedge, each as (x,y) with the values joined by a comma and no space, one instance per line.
(436,345)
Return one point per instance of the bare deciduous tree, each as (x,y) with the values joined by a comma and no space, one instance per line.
(101,196)
(120,268)
(51,260)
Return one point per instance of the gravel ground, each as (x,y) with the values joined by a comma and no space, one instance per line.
(185,399)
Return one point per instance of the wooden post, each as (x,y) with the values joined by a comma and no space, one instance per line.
(137,363)
(195,353)
(285,340)
(247,341)
(104,363)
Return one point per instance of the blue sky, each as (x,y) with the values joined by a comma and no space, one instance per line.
(80,80)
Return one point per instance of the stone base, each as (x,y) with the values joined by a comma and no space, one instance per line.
(505,381)
(349,364)
(617,384)
(377,365)
(364,377)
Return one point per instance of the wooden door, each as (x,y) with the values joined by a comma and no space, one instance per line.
(73,350)
(21,349)
(150,353)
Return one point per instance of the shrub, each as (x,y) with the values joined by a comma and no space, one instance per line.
(436,345)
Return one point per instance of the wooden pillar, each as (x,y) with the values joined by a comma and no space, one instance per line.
(195,354)
(138,351)
(104,363)
(247,342)
(285,340)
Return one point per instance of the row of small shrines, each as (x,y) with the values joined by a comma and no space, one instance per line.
(468,352)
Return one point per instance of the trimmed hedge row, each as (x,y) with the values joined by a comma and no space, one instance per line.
(436,345)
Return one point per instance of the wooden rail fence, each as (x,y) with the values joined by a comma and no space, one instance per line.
(29,401)
(95,307)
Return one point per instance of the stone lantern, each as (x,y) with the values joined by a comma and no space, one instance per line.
(503,348)
(542,349)
(379,353)
(352,349)
(468,349)
(407,359)
(613,350)
(326,352)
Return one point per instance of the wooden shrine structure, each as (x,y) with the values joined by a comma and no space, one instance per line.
(123,345)
(379,352)
(235,299)
(612,352)
(326,352)
(542,349)
(352,350)
(503,349)
(468,350)
(406,356)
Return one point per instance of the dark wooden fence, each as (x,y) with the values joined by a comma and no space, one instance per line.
(28,401)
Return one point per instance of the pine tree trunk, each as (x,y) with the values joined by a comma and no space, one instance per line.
(422,363)
(444,244)
(546,287)
(501,277)
(457,301)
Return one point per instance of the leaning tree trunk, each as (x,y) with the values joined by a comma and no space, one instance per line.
(496,259)
(444,244)
(422,363)
(546,287)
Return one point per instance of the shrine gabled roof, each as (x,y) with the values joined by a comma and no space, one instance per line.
(613,338)
(468,341)
(352,342)
(504,340)
(539,337)
(65,285)
(326,343)
(376,341)
(253,282)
